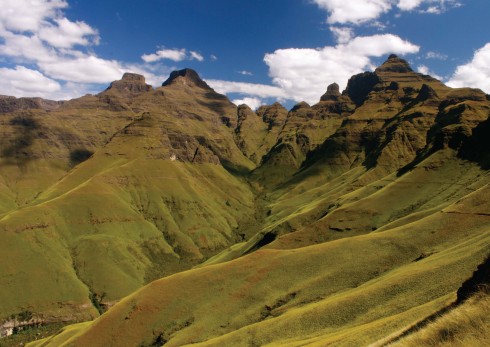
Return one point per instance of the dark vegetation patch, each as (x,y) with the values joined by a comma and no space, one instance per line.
(31,333)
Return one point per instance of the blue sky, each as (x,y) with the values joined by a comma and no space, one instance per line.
(255,51)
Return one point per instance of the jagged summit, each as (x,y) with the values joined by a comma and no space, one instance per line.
(394,64)
(332,94)
(130,83)
(186,77)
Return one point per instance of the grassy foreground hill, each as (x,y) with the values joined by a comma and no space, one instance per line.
(339,223)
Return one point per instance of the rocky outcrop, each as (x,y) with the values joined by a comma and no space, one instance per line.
(186,77)
(359,86)
(394,64)
(332,94)
(131,84)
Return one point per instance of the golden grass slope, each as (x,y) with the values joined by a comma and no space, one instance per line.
(347,292)
(466,325)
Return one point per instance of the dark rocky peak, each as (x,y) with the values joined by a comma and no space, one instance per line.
(300,105)
(130,83)
(186,77)
(133,77)
(243,112)
(274,115)
(426,93)
(394,64)
(360,85)
(332,94)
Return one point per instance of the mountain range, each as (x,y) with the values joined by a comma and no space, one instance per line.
(170,216)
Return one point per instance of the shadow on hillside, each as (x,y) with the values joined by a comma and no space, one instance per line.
(25,130)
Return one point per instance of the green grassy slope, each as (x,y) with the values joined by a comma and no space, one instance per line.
(380,212)
(347,292)
(152,200)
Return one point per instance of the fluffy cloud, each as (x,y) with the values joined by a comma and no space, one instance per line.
(423,69)
(66,34)
(28,15)
(172,54)
(304,73)
(359,12)
(342,34)
(253,103)
(87,69)
(261,90)
(408,5)
(474,74)
(22,81)
(38,35)
(356,12)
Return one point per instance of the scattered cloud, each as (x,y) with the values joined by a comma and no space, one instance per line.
(53,54)
(476,73)
(423,69)
(253,103)
(435,55)
(66,34)
(362,12)
(354,12)
(428,6)
(213,57)
(196,56)
(22,81)
(245,73)
(304,73)
(249,89)
(342,34)
(172,54)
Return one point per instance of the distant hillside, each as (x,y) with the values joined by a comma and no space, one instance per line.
(197,222)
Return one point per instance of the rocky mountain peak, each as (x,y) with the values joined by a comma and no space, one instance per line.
(130,83)
(186,77)
(332,94)
(394,64)
(129,76)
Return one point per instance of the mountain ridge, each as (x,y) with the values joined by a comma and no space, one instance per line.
(108,192)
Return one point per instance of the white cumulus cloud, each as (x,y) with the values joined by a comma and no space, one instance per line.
(28,15)
(353,11)
(423,69)
(66,34)
(476,73)
(304,73)
(253,103)
(362,11)
(87,69)
(22,81)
